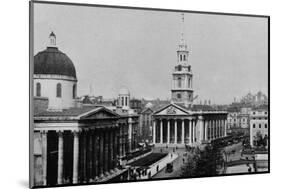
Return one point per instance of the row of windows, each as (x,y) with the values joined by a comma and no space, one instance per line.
(260,118)
(234,119)
(265,126)
(58,90)
(264,113)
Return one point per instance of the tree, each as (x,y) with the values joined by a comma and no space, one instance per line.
(204,163)
(189,169)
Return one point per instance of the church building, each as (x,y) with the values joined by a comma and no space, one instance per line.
(183,123)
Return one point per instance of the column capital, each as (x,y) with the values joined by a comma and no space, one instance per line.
(59,132)
(76,132)
(43,131)
(200,117)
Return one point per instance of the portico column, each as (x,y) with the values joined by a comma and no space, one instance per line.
(130,133)
(154,131)
(216,129)
(220,133)
(44,156)
(206,129)
(225,128)
(168,132)
(222,129)
(161,131)
(106,142)
(213,125)
(182,131)
(111,160)
(96,154)
(193,130)
(200,127)
(115,149)
(120,141)
(60,157)
(75,156)
(190,130)
(90,155)
(217,121)
(176,131)
(219,125)
(101,153)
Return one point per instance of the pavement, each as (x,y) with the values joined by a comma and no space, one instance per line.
(177,163)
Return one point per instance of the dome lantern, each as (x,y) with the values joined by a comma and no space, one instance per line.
(52,38)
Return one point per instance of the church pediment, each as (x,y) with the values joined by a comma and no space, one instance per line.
(100,113)
(171,110)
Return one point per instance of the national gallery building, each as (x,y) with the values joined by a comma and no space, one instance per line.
(181,122)
(74,143)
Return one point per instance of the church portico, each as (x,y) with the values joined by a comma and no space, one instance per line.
(177,126)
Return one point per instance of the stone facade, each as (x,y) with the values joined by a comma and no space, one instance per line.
(83,148)
(258,125)
(175,125)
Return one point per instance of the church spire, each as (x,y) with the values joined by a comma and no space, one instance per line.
(182,45)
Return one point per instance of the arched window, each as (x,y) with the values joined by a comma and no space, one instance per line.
(189,82)
(126,99)
(184,57)
(38,89)
(254,125)
(179,82)
(59,90)
(122,103)
(179,96)
(180,57)
(74,91)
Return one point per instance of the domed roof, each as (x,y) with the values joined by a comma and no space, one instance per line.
(53,62)
(124,91)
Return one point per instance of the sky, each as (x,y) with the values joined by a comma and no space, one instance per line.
(112,48)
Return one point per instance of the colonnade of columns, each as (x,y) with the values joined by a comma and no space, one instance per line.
(214,129)
(95,153)
(176,131)
(187,131)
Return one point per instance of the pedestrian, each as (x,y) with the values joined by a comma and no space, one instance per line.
(183,160)
(171,155)
(249,169)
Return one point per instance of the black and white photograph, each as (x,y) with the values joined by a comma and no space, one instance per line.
(128,94)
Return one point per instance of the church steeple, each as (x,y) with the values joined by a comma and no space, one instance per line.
(182,88)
